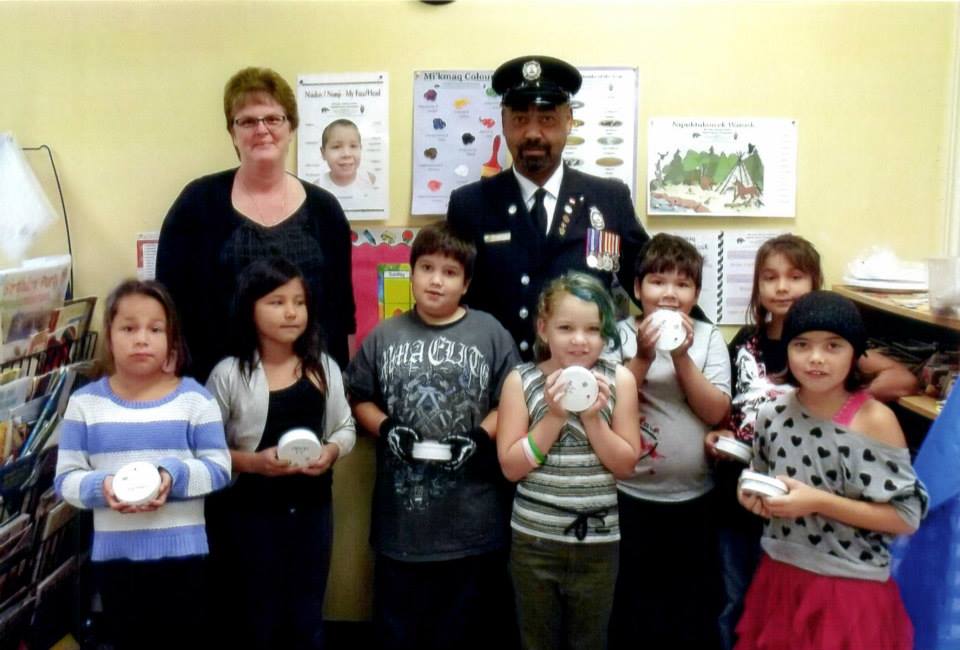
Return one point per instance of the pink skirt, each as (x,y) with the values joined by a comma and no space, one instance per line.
(792,609)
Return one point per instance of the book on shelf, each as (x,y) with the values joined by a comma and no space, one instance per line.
(28,295)
(31,410)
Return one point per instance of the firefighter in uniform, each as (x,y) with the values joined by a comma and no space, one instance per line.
(540,218)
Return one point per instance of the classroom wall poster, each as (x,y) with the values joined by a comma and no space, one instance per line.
(603,141)
(147,244)
(355,170)
(733,167)
(728,257)
(381,275)
(458,135)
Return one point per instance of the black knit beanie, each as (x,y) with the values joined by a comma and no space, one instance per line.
(828,312)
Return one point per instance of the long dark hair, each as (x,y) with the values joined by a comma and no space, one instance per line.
(800,253)
(256,281)
(176,347)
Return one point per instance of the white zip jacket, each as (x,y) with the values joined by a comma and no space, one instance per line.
(244,405)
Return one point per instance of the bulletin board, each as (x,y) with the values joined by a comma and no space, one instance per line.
(381,275)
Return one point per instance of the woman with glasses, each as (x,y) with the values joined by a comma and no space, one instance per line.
(217,226)
(222,222)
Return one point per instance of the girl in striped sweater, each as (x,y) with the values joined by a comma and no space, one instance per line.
(149,557)
(564,555)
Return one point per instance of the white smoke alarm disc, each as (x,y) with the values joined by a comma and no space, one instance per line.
(431,450)
(670,324)
(735,449)
(581,390)
(761,485)
(136,483)
(299,447)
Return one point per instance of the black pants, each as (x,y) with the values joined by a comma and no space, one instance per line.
(668,588)
(271,575)
(155,604)
(464,604)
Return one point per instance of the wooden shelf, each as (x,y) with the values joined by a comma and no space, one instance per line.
(902,305)
(921,405)
(893,303)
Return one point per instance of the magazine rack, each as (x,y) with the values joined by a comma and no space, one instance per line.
(42,539)
(54,356)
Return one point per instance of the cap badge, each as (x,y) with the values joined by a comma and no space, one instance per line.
(531,70)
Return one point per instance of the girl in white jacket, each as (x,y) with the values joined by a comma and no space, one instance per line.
(273,527)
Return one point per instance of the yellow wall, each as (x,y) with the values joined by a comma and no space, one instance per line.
(128,95)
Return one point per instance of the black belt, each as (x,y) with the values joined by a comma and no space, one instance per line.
(580,525)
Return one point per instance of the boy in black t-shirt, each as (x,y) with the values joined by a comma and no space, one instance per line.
(428,383)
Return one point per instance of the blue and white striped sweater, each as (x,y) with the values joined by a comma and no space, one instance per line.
(181,433)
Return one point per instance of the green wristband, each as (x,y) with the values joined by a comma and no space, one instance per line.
(541,458)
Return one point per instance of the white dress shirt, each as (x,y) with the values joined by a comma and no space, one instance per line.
(528,188)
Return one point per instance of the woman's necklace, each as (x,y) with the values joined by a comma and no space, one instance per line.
(256,206)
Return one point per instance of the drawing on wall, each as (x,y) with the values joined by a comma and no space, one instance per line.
(741,167)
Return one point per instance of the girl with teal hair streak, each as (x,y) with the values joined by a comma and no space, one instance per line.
(587,288)
(565,551)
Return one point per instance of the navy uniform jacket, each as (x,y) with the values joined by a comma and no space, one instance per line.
(515,260)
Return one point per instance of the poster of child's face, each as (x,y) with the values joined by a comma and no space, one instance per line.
(343,142)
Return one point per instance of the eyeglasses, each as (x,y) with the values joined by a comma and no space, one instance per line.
(269,121)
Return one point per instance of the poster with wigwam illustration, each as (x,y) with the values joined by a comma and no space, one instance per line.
(722,167)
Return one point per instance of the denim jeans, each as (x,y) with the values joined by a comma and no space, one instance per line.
(739,555)
(738,540)
(564,592)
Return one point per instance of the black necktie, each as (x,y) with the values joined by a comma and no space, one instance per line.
(539,211)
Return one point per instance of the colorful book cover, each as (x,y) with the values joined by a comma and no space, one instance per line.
(395,292)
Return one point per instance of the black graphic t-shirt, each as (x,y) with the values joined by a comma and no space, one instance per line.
(439,380)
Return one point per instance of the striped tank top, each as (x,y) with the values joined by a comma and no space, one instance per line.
(572,497)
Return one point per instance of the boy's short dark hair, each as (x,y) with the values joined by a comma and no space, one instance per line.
(666,253)
(439,239)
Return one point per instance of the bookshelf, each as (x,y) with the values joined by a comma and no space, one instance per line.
(898,304)
(43,540)
(904,316)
